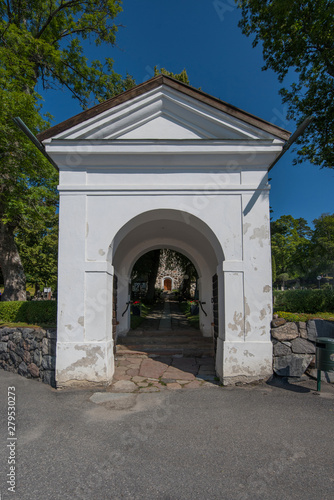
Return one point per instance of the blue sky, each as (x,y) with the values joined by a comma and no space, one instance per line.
(202,36)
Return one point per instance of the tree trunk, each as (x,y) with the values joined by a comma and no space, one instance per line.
(152,277)
(11,266)
(186,284)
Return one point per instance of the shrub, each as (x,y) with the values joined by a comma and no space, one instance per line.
(304,301)
(33,313)
(305,317)
(193,319)
(135,321)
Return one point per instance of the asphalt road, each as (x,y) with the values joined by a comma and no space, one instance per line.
(241,443)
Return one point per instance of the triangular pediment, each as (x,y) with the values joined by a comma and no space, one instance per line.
(162,127)
(166,111)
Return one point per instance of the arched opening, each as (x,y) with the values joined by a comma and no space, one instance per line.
(164,320)
(175,230)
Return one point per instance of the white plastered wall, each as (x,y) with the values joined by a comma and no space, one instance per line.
(199,186)
(93,222)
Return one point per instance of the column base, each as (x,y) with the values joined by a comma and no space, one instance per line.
(84,363)
(243,362)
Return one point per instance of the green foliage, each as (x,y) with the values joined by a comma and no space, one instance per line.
(273,268)
(33,313)
(41,43)
(28,182)
(28,194)
(301,253)
(182,77)
(304,301)
(38,248)
(135,321)
(193,319)
(298,36)
(304,317)
(323,244)
(290,245)
(146,269)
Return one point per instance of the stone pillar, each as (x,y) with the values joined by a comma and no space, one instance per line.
(84,339)
(91,360)
(245,352)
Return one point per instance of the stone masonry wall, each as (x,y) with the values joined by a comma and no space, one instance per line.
(173,271)
(32,352)
(294,346)
(29,352)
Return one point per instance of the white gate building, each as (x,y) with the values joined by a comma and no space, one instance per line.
(164,166)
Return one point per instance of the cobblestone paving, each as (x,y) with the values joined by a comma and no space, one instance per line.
(150,359)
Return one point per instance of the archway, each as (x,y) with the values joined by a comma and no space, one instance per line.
(166,228)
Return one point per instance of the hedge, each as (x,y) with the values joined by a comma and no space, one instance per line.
(42,312)
(304,301)
(304,316)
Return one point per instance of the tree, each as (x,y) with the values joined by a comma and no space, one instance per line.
(146,268)
(290,245)
(273,268)
(297,36)
(27,183)
(182,77)
(44,40)
(38,249)
(323,244)
(41,42)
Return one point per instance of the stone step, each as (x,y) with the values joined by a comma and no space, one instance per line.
(165,351)
(164,343)
(171,333)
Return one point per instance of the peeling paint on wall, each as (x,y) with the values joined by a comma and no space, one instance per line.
(267,288)
(238,322)
(260,233)
(248,354)
(89,360)
(262,314)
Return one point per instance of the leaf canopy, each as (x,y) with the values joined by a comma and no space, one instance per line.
(42,44)
(297,38)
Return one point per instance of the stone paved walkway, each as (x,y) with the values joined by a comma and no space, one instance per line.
(164,354)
